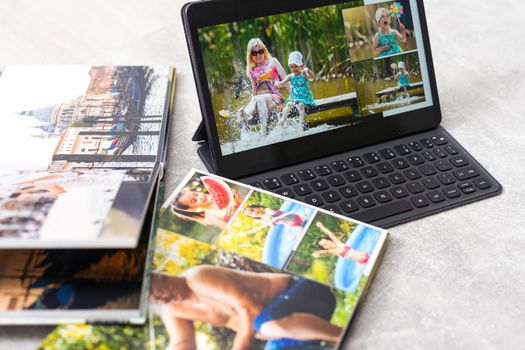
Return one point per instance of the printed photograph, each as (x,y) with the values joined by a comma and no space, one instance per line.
(389,83)
(379,30)
(280,77)
(266,229)
(80,279)
(202,208)
(49,206)
(82,117)
(208,298)
(336,252)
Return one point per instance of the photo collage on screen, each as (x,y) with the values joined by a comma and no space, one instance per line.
(291,75)
(227,240)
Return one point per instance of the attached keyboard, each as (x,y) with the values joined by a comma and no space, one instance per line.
(388,183)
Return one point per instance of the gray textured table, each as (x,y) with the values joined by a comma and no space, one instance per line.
(453,280)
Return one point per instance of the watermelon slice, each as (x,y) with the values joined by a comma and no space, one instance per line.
(219,190)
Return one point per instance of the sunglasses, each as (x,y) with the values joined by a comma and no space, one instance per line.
(256,53)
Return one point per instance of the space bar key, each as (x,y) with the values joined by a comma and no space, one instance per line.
(383,211)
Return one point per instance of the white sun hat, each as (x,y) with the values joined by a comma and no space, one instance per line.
(379,13)
(296,58)
(401,64)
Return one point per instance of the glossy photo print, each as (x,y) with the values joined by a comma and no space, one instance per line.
(266,229)
(202,207)
(208,298)
(280,77)
(337,252)
(379,30)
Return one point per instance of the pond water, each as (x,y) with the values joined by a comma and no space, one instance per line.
(233,140)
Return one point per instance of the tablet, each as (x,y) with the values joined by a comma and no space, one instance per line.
(284,82)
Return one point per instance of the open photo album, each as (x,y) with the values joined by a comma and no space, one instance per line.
(235,267)
(82,150)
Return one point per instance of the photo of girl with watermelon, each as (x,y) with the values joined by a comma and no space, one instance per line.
(202,208)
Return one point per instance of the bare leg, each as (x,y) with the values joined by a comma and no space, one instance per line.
(301,326)
(262,109)
(301,108)
(286,113)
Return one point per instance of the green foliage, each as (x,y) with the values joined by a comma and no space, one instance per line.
(346,303)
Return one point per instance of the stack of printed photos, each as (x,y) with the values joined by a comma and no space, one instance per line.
(83,148)
(236,267)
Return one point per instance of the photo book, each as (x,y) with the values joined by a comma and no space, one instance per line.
(82,150)
(236,267)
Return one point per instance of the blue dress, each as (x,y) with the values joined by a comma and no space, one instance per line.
(388,39)
(403,80)
(300,91)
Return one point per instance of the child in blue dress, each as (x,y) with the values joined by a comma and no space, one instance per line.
(402,79)
(301,96)
(385,40)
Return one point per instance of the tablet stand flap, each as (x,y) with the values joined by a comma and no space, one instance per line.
(200,134)
(205,154)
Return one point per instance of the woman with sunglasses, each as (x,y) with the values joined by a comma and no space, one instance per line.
(264,72)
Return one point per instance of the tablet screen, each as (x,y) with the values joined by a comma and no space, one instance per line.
(291,75)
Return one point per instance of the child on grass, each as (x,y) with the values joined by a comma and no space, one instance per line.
(272,217)
(402,79)
(333,246)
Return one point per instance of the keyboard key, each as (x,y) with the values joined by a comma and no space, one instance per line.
(383,211)
(464,185)
(420,201)
(451,192)
(429,156)
(468,190)
(364,187)
(400,163)
(451,150)
(428,169)
(382,197)
(381,182)
(399,192)
(415,146)
(430,183)
(306,174)
(415,159)
(458,161)
(285,192)
(348,191)
(323,170)
(289,179)
(443,165)
(371,157)
(412,174)
(439,140)
(349,206)
(387,153)
(465,173)
(426,143)
(353,176)
(384,168)
(369,171)
(396,178)
(356,161)
(336,180)
(482,183)
(436,196)
(339,166)
(415,187)
(366,201)
(272,183)
(331,196)
(440,152)
(302,189)
(401,150)
(333,209)
(314,200)
(257,184)
(446,179)
(319,185)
